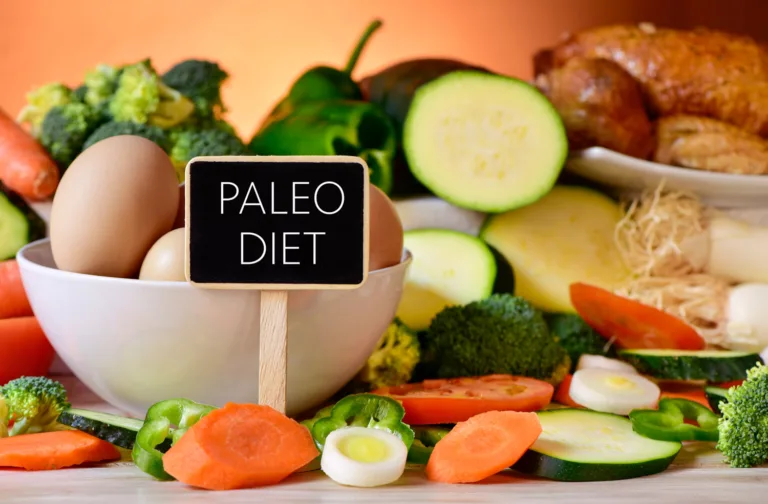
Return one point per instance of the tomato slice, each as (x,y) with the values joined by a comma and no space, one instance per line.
(630,323)
(458,399)
(563,393)
(729,384)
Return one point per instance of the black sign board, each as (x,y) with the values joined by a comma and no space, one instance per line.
(277,222)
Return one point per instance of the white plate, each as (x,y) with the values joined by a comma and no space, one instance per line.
(631,175)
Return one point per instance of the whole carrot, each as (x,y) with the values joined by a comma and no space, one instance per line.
(25,167)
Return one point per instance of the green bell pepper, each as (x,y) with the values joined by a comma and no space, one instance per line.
(325,83)
(364,410)
(424,442)
(181,413)
(335,127)
(668,422)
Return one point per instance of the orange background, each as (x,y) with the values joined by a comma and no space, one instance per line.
(265,44)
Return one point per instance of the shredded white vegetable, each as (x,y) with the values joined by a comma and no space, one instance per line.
(667,274)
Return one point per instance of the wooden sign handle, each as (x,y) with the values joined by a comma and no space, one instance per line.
(273,355)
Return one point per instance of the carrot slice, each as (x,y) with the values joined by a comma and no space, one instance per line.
(563,393)
(630,323)
(54,450)
(13,297)
(482,446)
(240,446)
(24,349)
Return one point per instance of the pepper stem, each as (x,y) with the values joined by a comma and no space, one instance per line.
(352,61)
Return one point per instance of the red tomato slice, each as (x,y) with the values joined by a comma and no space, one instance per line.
(729,384)
(630,323)
(563,393)
(458,399)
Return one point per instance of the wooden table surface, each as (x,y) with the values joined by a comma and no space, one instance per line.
(698,475)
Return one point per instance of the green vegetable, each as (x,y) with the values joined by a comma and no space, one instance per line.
(584,445)
(712,365)
(392,361)
(100,84)
(744,424)
(203,142)
(392,89)
(501,334)
(336,127)
(715,396)
(200,81)
(40,101)
(364,410)
(19,224)
(78,94)
(34,403)
(577,337)
(324,83)
(110,129)
(449,268)
(668,422)
(119,431)
(181,413)
(65,130)
(426,437)
(142,97)
(486,142)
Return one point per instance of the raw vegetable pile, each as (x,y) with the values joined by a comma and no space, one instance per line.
(572,337)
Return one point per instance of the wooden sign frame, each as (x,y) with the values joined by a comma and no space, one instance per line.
(273,321)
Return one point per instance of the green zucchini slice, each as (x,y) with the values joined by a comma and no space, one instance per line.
(715,396)
(120,431)
(710,365)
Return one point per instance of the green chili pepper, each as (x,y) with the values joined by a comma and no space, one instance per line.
(424,442)
(364,410)
(668,422)
(335,127)
(325,83)
(159,422)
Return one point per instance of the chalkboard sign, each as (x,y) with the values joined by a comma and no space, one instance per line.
(277,222)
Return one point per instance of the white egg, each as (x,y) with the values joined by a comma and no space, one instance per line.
(616,392)
(363,457)
(588,361)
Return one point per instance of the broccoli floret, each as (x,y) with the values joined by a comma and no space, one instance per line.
(142,97)
(3,417)
(34,403)
(743,427)
(40,101)
(65,130)
(114,128)
(78,95)
(100,84)
(392,362)
(577,337)
(501,334)
(200,81)
(194,142)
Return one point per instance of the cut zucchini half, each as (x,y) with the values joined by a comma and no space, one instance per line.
(449,268)
(583,445)
(711,365)
(715,396)
(486,142)
(120,431)
(19,224)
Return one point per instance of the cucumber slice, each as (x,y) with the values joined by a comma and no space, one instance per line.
(434,213)
(710,365)
(485,142)
(583,445)
(716,395)
(448,268)
(120,431)
(19,224)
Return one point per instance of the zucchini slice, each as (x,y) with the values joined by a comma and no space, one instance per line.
(19,224)
(120,431)
(583,445)
(710,365)
(716,395)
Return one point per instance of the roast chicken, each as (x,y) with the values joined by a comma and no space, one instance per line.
(714,79)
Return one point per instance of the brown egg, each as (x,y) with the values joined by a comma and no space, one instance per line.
(165,260)
(386,231)
(113,203)
(181,213)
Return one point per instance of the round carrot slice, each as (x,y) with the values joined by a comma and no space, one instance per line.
(482,446)
(458,399)
(630,323)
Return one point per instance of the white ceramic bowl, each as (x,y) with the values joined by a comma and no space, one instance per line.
(632,175)
(138,342)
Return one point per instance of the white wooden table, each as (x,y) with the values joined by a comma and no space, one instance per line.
(698,475)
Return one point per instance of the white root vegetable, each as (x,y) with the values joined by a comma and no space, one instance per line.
(588,361)
(616,392)
(747,315)
(737,250)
